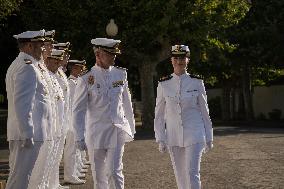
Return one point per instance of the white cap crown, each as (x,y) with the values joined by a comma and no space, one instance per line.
(31,36)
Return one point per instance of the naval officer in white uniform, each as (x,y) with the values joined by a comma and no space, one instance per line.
(102,95)
(58,75)
(72,166)
(182,123)
(29,113)
(53,62)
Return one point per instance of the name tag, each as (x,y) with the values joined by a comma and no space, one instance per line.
(188,91)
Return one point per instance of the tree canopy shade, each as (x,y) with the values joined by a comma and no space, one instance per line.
(7,7)
(147,29)
(260,34)
(259,52)
(233,43)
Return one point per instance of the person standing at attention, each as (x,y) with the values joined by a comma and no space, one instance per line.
(30,120)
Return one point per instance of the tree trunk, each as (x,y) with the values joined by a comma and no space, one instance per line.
(146,71)
(232,103)
(247,92)
(236,103)
(225,102)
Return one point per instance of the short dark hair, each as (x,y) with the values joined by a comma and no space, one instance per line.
(22,44)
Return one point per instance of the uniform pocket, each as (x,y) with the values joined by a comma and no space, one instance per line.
(189,97)
(190,93)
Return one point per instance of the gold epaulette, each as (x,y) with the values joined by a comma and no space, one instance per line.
(195,76)
(165,78)
(121,68)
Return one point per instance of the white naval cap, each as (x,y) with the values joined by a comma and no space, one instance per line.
(77,62)
(57,54)
(49,35)
(81,63)
(29,36)
(180,50)
(108,45)
(62,46)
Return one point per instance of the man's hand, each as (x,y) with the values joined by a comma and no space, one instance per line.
(81,145)
(209,146)
(28,143)
(162,147)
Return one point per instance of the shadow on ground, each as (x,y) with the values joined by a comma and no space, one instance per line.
(228,128)
(4,170)
(225,131)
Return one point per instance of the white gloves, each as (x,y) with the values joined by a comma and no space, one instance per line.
(162,147)
(81,145)
(209,146)
(28,143)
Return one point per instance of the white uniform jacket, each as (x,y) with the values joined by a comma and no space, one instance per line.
(72,85)
(58,100)
(103,96)
(64,84)
(181,113)
(29,101)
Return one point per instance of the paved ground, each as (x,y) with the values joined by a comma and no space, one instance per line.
(249,158)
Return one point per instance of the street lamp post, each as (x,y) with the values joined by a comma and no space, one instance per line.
(111,28)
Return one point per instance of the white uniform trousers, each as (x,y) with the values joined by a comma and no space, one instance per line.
(70,167)
(39,178)
(186,165)
(79,161)
(51,177)
(57,156)
(84,156)
(21,162)
(107,166)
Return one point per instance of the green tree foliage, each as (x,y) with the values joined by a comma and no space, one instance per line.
(7,7)
(260,39)
(260,34)
(147,29)
(258,53)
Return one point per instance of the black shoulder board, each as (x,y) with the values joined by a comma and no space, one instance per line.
(27,61)
(121,68)
(195,76)
(165,78)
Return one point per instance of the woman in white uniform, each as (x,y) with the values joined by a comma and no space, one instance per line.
(182,123)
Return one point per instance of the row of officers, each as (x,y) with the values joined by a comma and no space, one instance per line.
(91,112)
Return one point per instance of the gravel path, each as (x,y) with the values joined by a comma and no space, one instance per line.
(241,158)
